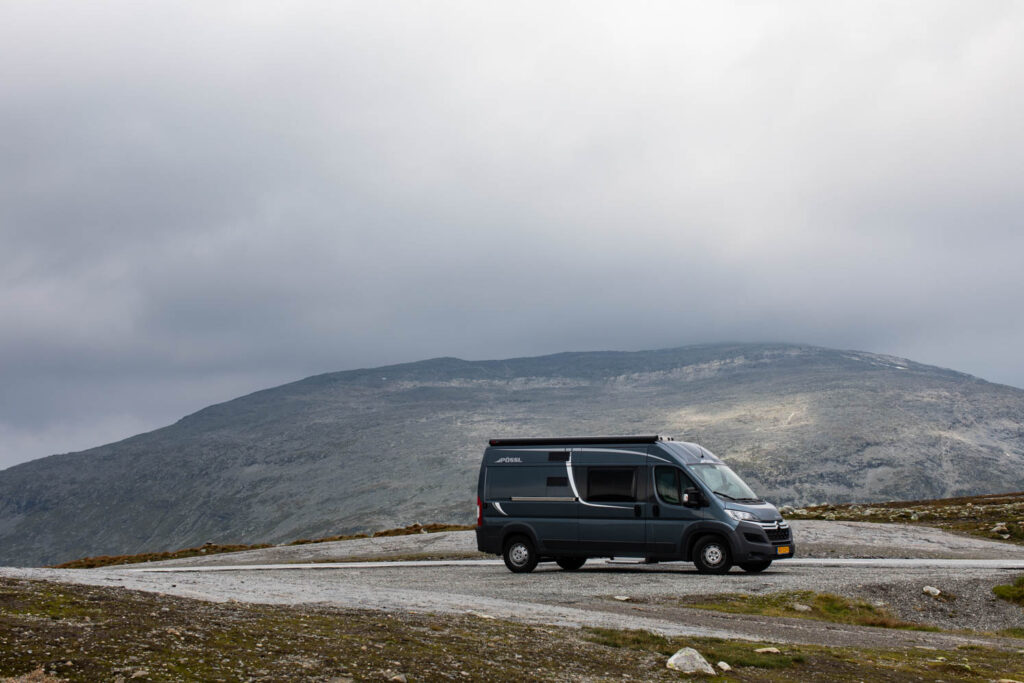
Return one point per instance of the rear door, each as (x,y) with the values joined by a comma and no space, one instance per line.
(530,486)
(612,486)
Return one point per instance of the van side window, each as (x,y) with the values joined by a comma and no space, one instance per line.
(666,481)
(612,484)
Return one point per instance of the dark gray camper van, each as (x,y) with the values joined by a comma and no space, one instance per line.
(567,499)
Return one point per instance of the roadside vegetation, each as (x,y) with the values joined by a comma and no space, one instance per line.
(87,633)
(804,605)
(214,548)
(996,517)
(1013,592)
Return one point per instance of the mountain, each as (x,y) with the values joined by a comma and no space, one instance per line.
(384,447)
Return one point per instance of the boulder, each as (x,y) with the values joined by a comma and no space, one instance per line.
(724,666)
(767,651)
(689,661)
(932,591)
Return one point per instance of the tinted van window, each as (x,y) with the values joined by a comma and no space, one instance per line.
(612,484)
(670,483)
(666,481)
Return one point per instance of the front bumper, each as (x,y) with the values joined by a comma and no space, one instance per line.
(759,541)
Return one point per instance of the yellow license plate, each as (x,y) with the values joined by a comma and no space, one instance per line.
(783,550)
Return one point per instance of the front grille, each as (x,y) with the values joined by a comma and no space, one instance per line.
(777,534)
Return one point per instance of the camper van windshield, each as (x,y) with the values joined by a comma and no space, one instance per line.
(724,482)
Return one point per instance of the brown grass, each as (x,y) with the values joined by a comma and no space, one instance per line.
(214,549)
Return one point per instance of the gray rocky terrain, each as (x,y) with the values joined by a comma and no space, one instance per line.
(384,447)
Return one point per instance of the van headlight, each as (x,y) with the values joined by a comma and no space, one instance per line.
(741,516)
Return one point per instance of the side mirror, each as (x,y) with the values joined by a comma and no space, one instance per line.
(693,498)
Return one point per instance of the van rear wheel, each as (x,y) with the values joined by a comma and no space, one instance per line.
(570,564)
(520,555)
(711,555)
(755,567)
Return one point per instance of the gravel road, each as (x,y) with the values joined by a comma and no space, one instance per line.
(551,596)
(813,539)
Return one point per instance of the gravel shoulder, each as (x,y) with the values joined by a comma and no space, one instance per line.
(586,598)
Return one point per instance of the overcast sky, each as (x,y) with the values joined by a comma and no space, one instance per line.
(199,200)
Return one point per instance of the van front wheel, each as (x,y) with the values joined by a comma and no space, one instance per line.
(570,564)
(520,555)
(711,555)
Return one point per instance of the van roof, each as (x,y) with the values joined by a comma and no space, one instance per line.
(571,440)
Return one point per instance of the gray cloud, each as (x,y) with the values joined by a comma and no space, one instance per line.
(200,200)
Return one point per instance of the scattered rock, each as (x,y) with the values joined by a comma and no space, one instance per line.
(767,651)
(724,667)
(786,510)
(479,614)
(689,661)
(914,517)
(932,591)
(399,678)
(999,528)
(141,673)
(621,598)
(801,608)
(37,676)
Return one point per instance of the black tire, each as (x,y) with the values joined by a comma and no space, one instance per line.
(755,567)
(711,555)
(520,555)
(570,564)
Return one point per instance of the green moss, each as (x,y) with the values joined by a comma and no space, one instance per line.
(1013,592)
(823,607)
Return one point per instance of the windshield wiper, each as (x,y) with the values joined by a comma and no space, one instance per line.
(723,495)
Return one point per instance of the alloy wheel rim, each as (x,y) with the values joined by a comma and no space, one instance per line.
(713,555)
(519,554)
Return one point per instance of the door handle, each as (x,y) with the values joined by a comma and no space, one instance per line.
(636,511)
(655,510)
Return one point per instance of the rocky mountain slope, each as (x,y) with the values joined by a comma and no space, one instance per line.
(384,447)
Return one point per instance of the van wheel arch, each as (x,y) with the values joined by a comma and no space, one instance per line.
(518,530)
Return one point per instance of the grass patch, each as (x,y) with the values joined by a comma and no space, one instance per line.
(198,551)
(821,606)
(1013,592)
(736,653)
(424,529)
(215,549)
